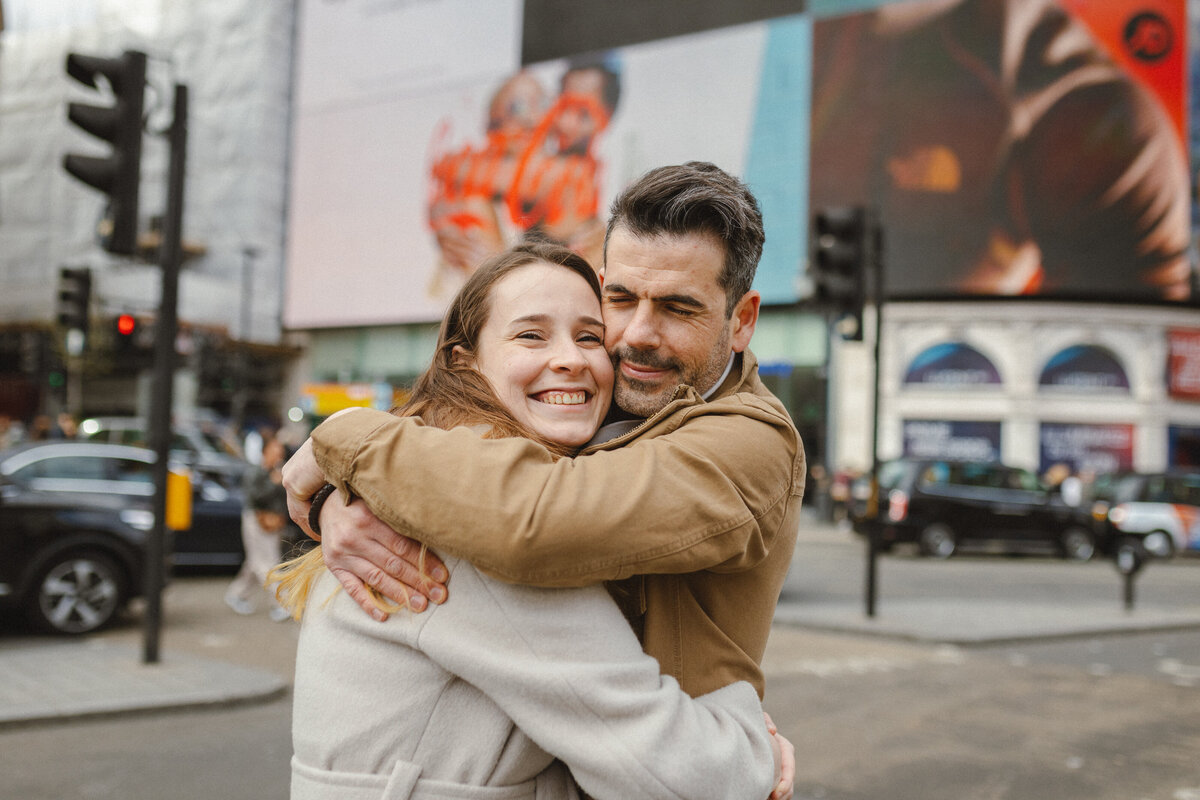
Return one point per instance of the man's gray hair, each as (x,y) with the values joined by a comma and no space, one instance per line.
(696,197)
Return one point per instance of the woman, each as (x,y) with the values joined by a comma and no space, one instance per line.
(495,686)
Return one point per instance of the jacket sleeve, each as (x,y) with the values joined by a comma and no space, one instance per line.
(593,699)
(685,500)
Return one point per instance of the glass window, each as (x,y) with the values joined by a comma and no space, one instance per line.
(64,467)
(133,471)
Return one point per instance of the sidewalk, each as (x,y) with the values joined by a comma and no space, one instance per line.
(964,620)
(46,680)
(65,680)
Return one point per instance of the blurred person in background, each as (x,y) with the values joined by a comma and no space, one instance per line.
(264,519)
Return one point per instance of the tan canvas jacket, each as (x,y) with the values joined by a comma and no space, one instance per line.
(694,513)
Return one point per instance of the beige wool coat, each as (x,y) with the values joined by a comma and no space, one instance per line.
(489,695)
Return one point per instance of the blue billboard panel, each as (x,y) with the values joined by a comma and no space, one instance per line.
(952,439)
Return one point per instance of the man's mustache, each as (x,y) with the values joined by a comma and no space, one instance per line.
(642,358)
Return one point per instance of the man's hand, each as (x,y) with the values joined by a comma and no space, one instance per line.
(786,753)
(361,550)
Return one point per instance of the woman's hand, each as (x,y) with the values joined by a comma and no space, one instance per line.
(301,480)
(785,757)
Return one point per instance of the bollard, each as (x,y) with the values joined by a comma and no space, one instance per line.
(1129,558)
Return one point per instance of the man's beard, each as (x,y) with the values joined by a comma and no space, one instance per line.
(645,399)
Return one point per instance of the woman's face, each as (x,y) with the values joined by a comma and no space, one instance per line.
(542,349)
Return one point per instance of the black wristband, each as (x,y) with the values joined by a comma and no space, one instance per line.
(318,502)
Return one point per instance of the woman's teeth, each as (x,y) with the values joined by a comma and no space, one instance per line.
(563,398)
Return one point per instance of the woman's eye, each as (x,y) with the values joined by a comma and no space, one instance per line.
(531,335)
(591,338)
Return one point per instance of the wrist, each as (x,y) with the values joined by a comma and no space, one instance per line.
(316,504)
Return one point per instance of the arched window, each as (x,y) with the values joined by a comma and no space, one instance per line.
(1085,368)
(954,364)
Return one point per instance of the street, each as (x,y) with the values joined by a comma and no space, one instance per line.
(1113,717)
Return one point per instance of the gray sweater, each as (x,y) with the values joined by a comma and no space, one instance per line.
(490,694)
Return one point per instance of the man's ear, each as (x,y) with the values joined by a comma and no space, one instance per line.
(462,357)
(745,317)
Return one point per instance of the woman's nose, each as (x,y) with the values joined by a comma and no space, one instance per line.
(567,358)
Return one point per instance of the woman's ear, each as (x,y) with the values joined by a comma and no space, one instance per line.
(461,357)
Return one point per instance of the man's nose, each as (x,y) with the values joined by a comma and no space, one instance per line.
(642,331)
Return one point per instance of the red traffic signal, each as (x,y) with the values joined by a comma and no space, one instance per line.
(126,324)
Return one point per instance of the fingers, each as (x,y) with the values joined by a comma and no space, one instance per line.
(358,593)
(298,511)
(359,543)
(787,769)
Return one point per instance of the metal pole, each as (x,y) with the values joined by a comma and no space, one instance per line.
(876,296)
(164,372)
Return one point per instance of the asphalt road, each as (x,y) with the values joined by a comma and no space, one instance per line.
(1098,718)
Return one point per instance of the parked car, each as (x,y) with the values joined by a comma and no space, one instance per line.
(191,445)
(87,468)
(943,506)
(72,557)
(1160,509)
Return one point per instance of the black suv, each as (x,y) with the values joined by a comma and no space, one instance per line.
(942,505)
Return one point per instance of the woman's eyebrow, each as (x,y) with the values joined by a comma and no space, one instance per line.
(539,318)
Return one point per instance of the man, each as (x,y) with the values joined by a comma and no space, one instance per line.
(690,510)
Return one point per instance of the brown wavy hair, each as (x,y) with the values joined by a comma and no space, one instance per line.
(450,393)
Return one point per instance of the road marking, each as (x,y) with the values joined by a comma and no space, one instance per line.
(1184,675)
(863,665)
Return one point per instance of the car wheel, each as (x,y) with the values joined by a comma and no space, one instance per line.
(1159,544)
(1077,544)
(937,541)
(77,593)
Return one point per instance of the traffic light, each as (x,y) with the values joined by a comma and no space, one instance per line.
(126,325)
(74,297)
(119,174)
(841,253)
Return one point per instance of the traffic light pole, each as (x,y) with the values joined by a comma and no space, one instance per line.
(164,371)
(875,267)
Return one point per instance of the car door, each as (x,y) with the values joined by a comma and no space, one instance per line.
(1024,506)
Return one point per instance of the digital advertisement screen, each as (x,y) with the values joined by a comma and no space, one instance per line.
(1011,147)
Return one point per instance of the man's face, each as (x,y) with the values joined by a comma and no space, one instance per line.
(665,319)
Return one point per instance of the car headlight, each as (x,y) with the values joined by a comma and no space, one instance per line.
(138,518)
(1117,515)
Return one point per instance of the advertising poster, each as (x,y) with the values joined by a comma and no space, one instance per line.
(1183,447)
(1083,448)
(422,146)
(955,440)
(1010,147)
(1183,363)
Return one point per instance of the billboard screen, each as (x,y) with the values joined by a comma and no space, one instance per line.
(1010,147)
(421,146)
